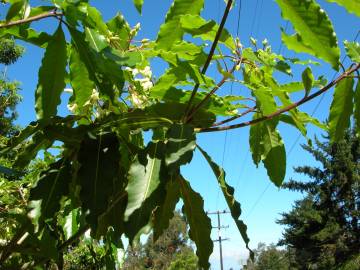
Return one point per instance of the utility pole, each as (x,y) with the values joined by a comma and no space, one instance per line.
(220,239)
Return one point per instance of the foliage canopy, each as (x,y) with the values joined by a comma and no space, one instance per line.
(106,178)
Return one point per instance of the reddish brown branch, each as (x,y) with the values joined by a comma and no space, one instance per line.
(32,19)
(287,108)
(210,56)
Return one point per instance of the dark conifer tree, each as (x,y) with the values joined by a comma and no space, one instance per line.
(323,228)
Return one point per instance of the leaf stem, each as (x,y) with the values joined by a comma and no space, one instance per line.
(208,60)
(32,19)
(217,87)
(285,109)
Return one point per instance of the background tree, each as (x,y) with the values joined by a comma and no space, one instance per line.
(269,258)
(9,97)
(172,250)
(323,228)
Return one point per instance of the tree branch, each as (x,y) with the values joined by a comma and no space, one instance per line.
(285,109)
(211,53)
(32,19)
(234,117)
(217,87)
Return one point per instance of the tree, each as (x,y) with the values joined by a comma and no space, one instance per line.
(323,228)
(115,182)
(269,258)
(170,251)
(9,97)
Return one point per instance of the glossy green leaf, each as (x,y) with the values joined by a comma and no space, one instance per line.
(206,30)
(51,187)
(181,142)
(15,9)
(99,176)
(144,177)
(171,31)
(314,27)
(266,145)
(51,77)
(199,222)
(146,188)
(357,107)
(164,213)
(26,34)
(308,80)
(138,4)
(80,80)
(104,72)
(352,6)
(341,109)
(353,51)
(228,192)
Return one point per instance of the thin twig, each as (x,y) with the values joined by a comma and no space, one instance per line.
(211,53)
(217,87)
(32,19)
(234,117)
(285,109)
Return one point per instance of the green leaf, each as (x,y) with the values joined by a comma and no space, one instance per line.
(181,142)
(314,29)
(341,109)
(308,80)
(51,187)
(275,164)
(15,9)
(138,4)
(199,222)
(171,31)
(51,77)
(9,172)
(164,213)
(146,188)
(206,30)
(357,107)
(144,176)
(80,80)
(352,6)
(26,34)
(100,176)
(228,192)
(353,51)
(266,145)
(104,72)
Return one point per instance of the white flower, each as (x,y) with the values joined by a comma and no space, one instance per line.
(146,72)
(72,107)
(69,90)
(145,83)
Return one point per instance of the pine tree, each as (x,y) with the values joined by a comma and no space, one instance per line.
(323,228)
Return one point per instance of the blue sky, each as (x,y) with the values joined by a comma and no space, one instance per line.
(261,202)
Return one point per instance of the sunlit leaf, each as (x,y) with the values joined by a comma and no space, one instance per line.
(171,31)
(308,80)
(51,77)
(352,6)
(341,109)
(314,29)
(138,4)
(357,107)
(353,50)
